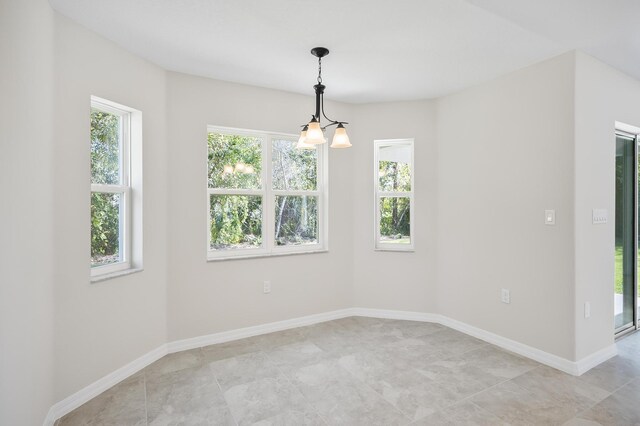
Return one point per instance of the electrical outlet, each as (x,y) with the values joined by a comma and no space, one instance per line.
(505,296)
(587,309)
(266,287)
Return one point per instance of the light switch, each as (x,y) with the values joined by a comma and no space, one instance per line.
(599,216)
(549,217)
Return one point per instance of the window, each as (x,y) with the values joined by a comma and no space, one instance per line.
(112,192)
(265,196)
(393,179)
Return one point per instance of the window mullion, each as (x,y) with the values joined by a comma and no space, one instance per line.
(295,193)
(111,189)
(268,226)
(222,191)
(395,194)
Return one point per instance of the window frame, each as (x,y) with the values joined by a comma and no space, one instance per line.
(124,188)
(268,194)
(378,195)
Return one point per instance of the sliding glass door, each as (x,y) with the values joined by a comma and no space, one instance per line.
(626,256)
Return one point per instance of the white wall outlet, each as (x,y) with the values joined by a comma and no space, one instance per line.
(505,296)
(266,287)
(587,309)
(549,217)
(599,216)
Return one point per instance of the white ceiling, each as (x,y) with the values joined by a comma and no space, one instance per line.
(381,50)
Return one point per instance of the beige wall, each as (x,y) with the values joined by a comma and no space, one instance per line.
(208,297)
(102,326)
(603,96)
(395,280)
(505,154)
(26,261)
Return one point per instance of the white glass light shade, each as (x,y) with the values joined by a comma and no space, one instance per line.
(239,167)
(302,144)
(314,134)
(248,170)
(340,138)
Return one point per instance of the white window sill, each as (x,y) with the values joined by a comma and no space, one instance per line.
(104,277)
(256,256)
(397,250)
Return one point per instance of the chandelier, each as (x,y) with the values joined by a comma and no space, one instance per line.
(313,132)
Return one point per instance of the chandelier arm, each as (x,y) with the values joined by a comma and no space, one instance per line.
(325,115)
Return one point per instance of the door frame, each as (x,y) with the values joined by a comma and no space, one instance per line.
(621,331)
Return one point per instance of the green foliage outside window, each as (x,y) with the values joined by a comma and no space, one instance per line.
(105,228)
(235,162)
(296,217)
(395,221)
(236,221)
(296,220)
(105,169)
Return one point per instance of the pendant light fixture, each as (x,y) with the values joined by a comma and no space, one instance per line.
(313,132)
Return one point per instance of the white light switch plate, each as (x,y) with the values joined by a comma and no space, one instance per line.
(600,216)
(549,217)
(505,296)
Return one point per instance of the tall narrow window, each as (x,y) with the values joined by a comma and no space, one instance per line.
(111,190)
(393,177)
(265,196)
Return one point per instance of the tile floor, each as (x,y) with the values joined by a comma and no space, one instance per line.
(365,371)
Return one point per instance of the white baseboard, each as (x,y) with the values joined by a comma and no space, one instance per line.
(91,391)
(570,367)
(400,315)
(596,358)
(72,402)
(527,351)
(241,333)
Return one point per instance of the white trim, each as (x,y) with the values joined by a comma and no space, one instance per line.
(74,401)
(105,277)
(575,368)
(96,388)
(596,358)
(399,315)
(51,418)
(241,333)
(527,351)
(124,187)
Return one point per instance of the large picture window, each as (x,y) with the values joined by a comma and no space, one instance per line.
(265,196)
(111,190)
(393,177)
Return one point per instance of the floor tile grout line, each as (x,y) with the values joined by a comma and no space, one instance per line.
(303,395)
(233,417)
(605,398)
(468,398)
(485,410)
(361,382)
(146,408)
(283,375)
(300,390)
(373,390)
